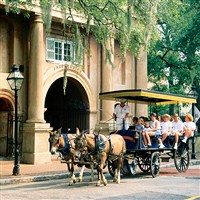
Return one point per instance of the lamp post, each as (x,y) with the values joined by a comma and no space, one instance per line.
(194,94)
(15,80)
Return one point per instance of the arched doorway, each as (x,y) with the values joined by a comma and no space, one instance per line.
(67,111)
(5,109)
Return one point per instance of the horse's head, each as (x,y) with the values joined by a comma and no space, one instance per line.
(80,141)
(54,140)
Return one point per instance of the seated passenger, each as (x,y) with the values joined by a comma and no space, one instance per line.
(188,127)
(147,128)
(159,118)
(134,122)
(177,129)
(166,128)
(155,129)
(139,126)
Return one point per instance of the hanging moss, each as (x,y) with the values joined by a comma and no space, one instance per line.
(88,24)
(65,80)
(46,6)
(78,41)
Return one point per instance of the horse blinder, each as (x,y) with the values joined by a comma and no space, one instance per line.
(52,138)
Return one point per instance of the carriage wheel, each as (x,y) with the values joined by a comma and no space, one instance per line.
(144,164)
(182,158)
(155,164)
(129,167)
(111,168)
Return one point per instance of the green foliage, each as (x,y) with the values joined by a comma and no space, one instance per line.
(15,6)
(173,60)
(131,22)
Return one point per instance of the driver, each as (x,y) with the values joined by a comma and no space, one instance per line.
(121,112)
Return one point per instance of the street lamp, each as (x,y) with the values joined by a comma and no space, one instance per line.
(15,80)
(194,94)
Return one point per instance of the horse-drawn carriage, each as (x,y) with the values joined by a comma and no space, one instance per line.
(95,149)
(148,159)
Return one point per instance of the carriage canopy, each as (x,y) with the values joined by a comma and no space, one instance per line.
(146,97)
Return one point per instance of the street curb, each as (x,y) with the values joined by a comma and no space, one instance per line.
(39,178)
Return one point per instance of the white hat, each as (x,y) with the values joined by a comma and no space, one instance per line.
(166,115)
(123,100)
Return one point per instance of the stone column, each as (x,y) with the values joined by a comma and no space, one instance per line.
(35,137)
(35,143)
(36,65)
(141,81)
(107,80)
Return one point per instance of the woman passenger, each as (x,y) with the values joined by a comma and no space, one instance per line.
(188,127)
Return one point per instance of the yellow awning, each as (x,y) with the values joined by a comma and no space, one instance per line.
(146,97)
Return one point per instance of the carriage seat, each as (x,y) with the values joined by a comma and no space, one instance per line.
(130,138)
(168,142)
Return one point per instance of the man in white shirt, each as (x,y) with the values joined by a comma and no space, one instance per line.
(177,129)
(121,112)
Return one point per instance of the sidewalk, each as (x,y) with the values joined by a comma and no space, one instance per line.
(49,171)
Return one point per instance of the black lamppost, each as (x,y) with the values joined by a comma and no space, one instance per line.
(15,79)
(194,94)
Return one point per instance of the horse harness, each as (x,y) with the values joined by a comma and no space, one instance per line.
(68,146)
(100,144)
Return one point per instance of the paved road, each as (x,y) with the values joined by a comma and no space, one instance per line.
(136,187)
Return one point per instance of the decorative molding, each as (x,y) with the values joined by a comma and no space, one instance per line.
(55,72)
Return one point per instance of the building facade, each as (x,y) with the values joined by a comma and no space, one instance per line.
(42,103)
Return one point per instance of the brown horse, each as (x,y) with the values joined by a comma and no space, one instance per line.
(113,148)
(64,143)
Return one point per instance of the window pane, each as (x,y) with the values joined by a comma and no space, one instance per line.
(58,50)
(68,51)
(50,55)
(56,56)
(50,47)
(50,44)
